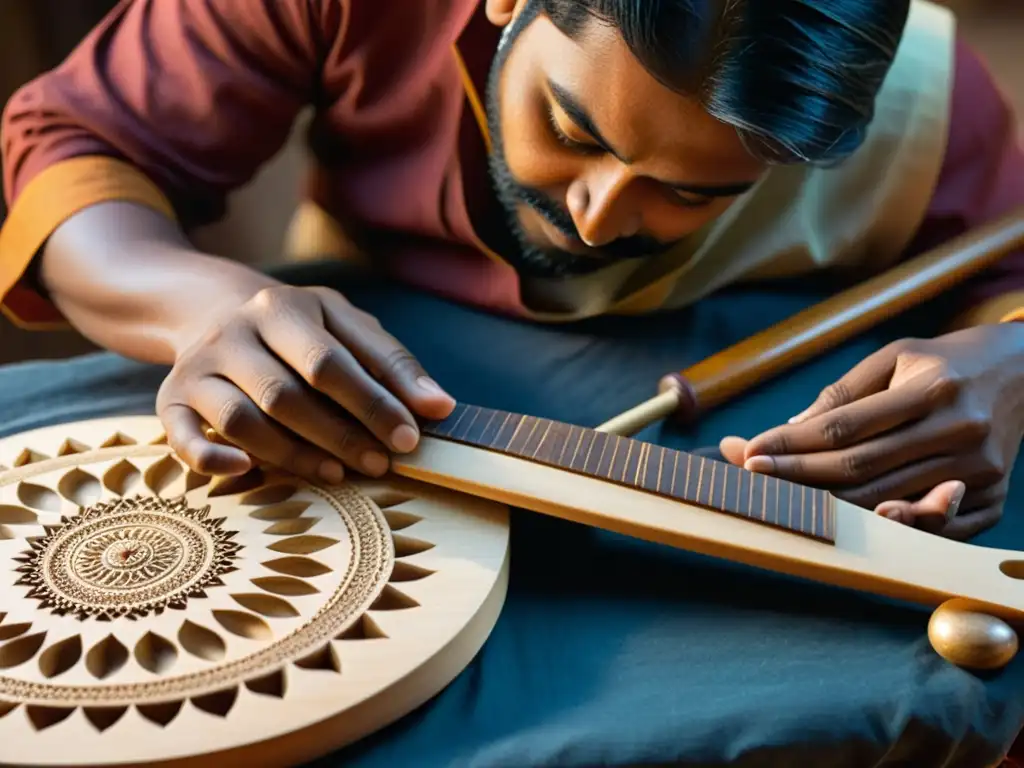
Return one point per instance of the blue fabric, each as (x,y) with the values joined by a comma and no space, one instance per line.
(611,651)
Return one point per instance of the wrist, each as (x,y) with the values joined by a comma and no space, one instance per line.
(232,284)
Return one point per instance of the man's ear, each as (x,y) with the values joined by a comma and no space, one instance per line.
(501,12)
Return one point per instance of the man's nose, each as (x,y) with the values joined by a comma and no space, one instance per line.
(600,208)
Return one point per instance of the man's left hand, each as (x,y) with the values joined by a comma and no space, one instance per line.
(924,431)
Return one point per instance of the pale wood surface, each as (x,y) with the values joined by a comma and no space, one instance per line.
(871,553)
(344,609)
(88,684)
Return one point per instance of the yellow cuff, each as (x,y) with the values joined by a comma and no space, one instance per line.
(51,198)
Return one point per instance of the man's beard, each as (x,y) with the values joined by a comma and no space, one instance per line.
(532,260)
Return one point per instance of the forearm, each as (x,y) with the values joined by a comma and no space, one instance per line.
(89,132)
(128,279)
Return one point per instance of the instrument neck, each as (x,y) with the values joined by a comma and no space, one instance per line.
(674,474)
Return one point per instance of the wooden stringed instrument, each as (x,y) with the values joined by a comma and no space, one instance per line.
(710,507)
(153,616)
(603,478)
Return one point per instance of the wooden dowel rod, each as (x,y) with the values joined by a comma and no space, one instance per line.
(764,355)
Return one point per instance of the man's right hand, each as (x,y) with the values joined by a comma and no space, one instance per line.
(301,379)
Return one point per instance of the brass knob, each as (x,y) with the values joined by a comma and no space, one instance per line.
(969,638)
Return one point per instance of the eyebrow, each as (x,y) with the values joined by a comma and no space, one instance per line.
(585,123)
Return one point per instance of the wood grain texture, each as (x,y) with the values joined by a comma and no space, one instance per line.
(684,395)
(870,553)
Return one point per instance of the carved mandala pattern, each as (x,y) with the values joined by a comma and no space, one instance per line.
(108,548)
(129,557)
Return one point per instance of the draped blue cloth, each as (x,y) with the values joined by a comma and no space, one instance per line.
(612,651)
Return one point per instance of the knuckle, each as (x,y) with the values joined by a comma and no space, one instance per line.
(274,395)
(777,442)
(836,430)
(347,442)
(274,300)
(976,428)
(906,345)
(376,407)
(835,395)
(400,361)
(320,362)
(232,418)
(946,386)
(267,299)
(855,465)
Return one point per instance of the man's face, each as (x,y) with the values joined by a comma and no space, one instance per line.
(593,159)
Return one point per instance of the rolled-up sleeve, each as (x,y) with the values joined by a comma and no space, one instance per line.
(168,104)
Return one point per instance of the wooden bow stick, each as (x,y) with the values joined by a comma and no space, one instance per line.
(707,384)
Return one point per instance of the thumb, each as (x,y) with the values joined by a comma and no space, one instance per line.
(870,376)
(932,512)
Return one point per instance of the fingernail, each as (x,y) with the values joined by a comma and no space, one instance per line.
(954,505)
(799,417)
(374,463)
(888,510)
(432,387)
(332,472)
(404,438)
(759,464)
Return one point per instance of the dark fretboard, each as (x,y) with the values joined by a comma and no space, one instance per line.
(674,474)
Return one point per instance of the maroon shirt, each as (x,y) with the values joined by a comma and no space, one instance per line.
(198,94)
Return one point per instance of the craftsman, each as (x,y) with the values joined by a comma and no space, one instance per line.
(529,171)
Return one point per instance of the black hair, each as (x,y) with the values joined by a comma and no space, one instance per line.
(797,78)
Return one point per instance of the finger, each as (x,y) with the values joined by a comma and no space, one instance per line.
(931,512)
(328,367)
(868,461)
(917,478)
(733,449)
(845,425)
(187,438)
(982,496)
(911,480)
(969,524)
(287,400)
(870,375)
(387,359)
(234,416)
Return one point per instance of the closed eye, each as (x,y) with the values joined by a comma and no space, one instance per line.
(573,144)
(686,199)
(690,202)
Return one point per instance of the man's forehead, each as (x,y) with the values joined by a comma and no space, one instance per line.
(637,114)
